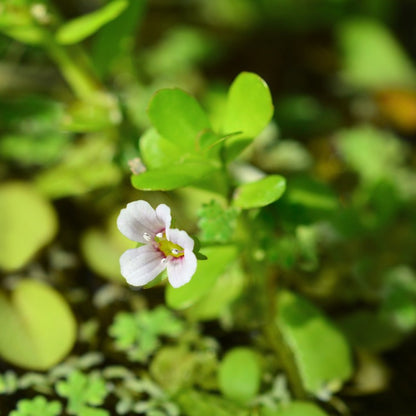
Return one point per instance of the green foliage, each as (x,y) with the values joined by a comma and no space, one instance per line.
(304,327)
(38,406)
(207,273)
(38,326)
(216,223)
(28,222)
(78,29)
(239,374)
(296,408)
(373,58)
(259,193)
(139,334)
(83,391)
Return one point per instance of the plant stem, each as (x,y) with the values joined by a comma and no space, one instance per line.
(80,82)
(277,341)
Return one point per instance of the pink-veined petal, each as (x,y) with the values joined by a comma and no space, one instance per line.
(180,270)
(163,213)
(181,238)
(139,218)
(141,265)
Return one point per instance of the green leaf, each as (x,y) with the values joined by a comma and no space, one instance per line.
(304,328)
(259,193)
(357,143)
(248,111)
(82,390)
(173,176)
(239,374)
(217,224)
(138,334)
(156,151)
(372,56)
(102,249)
(37,406)
(225,290)
(296,408)
(178,117)
(38,327)
(80,28)
(207,272)
(115,40)
(194,403)
(27,223)
(87,165)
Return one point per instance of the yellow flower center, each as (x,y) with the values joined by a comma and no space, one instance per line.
(167,247)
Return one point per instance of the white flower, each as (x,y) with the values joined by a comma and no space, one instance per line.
(163,246)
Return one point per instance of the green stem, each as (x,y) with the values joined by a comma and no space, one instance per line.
(81,83)
(277,341)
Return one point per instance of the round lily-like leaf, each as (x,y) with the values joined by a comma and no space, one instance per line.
(38,327)
(260,193)
(239,374)
(27,223)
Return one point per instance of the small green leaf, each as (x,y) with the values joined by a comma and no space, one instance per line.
(102,249)
(296,408)
(82,390)
(178,117)
(38,327)
(260,193)
(304,328)
(207,272)
(173,176)
(38,406)
(357,143)
(239,374)
(249,106)
(80,28)
(27,223)
(225,290)
(138,334)
(372,56)
(217,224)
(194,403)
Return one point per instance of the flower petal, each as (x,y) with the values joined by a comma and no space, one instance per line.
(180,270)
(163,213)
(141,265)
(139,218)
(181,238)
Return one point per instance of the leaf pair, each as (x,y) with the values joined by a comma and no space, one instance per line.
(182,148)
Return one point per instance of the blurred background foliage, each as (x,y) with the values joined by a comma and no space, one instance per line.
(76,79)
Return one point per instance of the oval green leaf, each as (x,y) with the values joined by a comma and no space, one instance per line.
(321,352)
(27,223)
(173,176)
(296,409)
(239,374)
(80,28)
(38,327)
(156,151)
(259,193)
(178,117)
(249,106)
(207,272)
